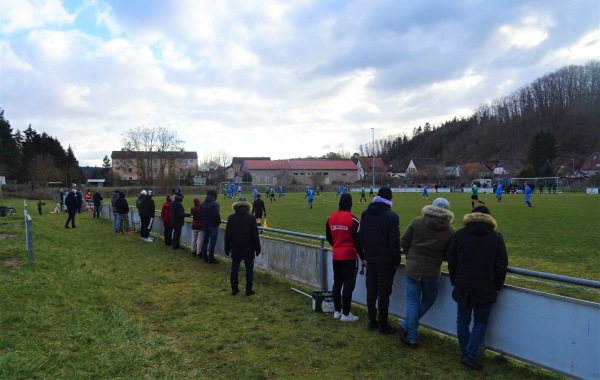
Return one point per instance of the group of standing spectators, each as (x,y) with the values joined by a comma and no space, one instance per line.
(476,256)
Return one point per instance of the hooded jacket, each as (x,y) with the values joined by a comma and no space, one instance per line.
(113,200)
(97,198)
(122,204)
(196,215)
(425,242)
(146,207)
(178,213)
(241,233)
(380,233)
(165,213)
(477,261)
(210,211)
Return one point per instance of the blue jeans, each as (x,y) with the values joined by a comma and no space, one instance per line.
(235,267)
(209,242)
(469,341)
(420,296)
(116,221)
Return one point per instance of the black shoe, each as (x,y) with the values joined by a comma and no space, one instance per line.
(471,363)
(213,261)
(250,292)
(234,291)
(373,325)
(386,330)
(403,335)
(66,226)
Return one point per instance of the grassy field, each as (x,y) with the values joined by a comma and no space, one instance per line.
(105,306)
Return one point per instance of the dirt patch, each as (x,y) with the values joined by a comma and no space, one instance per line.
(7,236)
(11,262)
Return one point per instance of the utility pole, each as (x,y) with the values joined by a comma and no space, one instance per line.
(373,152)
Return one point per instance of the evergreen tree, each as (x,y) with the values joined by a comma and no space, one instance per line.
(9,150)
(542,149)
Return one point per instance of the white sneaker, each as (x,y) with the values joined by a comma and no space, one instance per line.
(148,240)
(337,314)
(348,318)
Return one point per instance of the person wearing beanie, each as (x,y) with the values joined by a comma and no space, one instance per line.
(477,265)
(73,205)
(178,215)
(242,241)
(341,230)
(211,219)
(146,210)
(167,218)
(424,243)
(380,239)
(197,229)
(122,207)
(113,202)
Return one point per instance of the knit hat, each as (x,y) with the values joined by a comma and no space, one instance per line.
(441,202)
(385,192)
(143,192)
(345,202)
(178,195)
(242,199)
(117,191)
(169,199)
(481,209)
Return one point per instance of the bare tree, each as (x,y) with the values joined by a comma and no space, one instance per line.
(42,168)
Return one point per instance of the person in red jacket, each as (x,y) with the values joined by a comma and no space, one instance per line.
(165,216)
(197,230)
(341,231)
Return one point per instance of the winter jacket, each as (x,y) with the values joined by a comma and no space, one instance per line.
(178,214)
(196,215)
(241,233)
(72,202)
(210,211)
(341,230)
(165,213)
(425,242)
(380,233)
(113,200)
(122,204)
(146,207)
(97,199)
(477,261)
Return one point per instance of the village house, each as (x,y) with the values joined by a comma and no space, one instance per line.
(365,167)
(140,167)
(301,171)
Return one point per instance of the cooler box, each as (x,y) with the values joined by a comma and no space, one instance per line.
(322,302)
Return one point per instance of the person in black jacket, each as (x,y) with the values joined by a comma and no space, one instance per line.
(72,204)
(97,199)
(178,215)
(122,207)
(258,208)
(241,239)
(380,239)
(477,264)
(146,209)
(211,219)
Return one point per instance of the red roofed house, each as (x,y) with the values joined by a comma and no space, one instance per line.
(591,165)
(315,172)
(365,167)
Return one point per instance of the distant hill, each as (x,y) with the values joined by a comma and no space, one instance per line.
(564,104)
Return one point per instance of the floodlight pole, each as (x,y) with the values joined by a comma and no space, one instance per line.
(573,161)
(373,151)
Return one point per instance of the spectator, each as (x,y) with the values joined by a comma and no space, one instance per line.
(211,219)
(424,242)
(241,240)
(97,199)
(72,204)
(258,208)
(341,230)
(380,239)
(197,229)
(123,209)
(477,264)
(113,201)
(178,215)
(79,200)
(167,219)
(146,209)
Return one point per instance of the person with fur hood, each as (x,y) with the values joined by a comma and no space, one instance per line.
(242,241)
(424,243)
(178,215)
(477,265)
(167,218)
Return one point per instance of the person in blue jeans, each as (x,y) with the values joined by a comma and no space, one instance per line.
(113,201)
(477,264)
(211,219)
(425,243)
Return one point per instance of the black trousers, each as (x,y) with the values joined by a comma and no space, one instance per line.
(144,223)
(380,278)
(344,280)
(176,236)
(169,235)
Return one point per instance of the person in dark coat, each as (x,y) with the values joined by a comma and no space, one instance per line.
(73,205)
(477,265)
(97,199)
(211,219)
(123,208)
(113,201)
(146,209)
(167,219)
(380,238)
(79,200)
(178,218)
(258,208)
(242,241)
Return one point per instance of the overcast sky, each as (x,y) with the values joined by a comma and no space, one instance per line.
(283,79)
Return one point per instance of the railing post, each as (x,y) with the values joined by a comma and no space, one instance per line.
(323,265)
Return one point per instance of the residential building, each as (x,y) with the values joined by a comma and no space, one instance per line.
(142,167)
(505,167)
(301,171)
(421,166)
(591,165)
(234,171)
(365,167)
